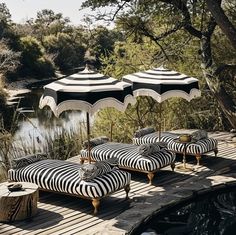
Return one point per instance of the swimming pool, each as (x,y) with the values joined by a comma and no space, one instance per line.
(213,213)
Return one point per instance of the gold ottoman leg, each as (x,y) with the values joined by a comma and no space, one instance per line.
(150,176)
(127,189)
(172,166)
(198,157)
(96,204)
(82,161)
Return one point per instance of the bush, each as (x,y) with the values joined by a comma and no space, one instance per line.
(44,67)
(33,59)
(69,53)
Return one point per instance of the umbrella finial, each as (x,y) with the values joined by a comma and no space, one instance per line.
(86,66)
(87,69)
(162,66)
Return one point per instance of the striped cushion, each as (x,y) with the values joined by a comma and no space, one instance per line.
(147,149)
(90,171)
(201,146)
(154,137)
(141,132)
(95,141)
(24,161)
(128,156)
(62,176)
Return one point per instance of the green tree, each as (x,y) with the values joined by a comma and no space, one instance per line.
(32,58)
(7,27)
(5,20)
(9,59)
(68,51)
(100,42)
(129,57)
(160,20)
(47,22)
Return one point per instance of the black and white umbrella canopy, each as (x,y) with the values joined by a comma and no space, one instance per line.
(87,91)
(161,84)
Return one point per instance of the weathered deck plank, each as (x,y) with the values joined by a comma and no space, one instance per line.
(59,214)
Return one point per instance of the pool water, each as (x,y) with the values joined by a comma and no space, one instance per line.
(214,214)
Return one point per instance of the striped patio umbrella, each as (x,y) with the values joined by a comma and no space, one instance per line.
(161,84)
(87,91)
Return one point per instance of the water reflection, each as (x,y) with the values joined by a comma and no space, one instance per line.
(213,213)
(35,124)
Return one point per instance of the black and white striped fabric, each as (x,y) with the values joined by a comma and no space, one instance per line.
(161,84)
(200,146)
(27,160)
(128,156)
(154,138)
(88,91)
(63,176)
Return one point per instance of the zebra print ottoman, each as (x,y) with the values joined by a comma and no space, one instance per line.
(129,157)
(197,148)
(63,177)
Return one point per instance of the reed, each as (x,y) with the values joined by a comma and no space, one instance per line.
(56,143)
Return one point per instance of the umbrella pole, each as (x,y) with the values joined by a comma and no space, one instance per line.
(159,136)
(111,130)
(88,136)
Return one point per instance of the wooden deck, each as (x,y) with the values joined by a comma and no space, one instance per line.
(59,214)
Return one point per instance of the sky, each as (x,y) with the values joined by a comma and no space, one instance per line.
(21,10)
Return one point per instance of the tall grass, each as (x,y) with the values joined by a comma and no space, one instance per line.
(56,143)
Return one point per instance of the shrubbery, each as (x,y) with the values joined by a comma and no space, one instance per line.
(32,59)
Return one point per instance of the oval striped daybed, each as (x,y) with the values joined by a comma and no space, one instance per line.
(129,157)
(63,177)
(197,148)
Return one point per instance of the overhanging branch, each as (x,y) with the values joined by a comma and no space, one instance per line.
(222,20)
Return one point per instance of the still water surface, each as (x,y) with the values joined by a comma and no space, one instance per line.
(211,214)
(35,124)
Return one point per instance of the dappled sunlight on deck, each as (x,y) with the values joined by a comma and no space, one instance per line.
(59,214)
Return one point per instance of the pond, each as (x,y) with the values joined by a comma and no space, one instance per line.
(35,124)
(214,213)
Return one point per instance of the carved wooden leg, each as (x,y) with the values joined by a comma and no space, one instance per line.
(81,161)
(172,166)
(198,157)
(216,151)
(96,204)
(150,176)
(127,189)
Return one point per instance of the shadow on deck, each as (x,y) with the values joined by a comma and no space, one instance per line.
(59,214)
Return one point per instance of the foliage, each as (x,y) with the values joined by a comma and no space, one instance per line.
(5,20)
(100,42)
(7,131)
(9,59)
(7,27)
(62,145)
(68,52)
(185,35)
(176,113)
(32,60)
(47,22)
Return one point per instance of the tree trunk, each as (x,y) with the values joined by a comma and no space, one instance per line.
(222,20)
(216,83)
